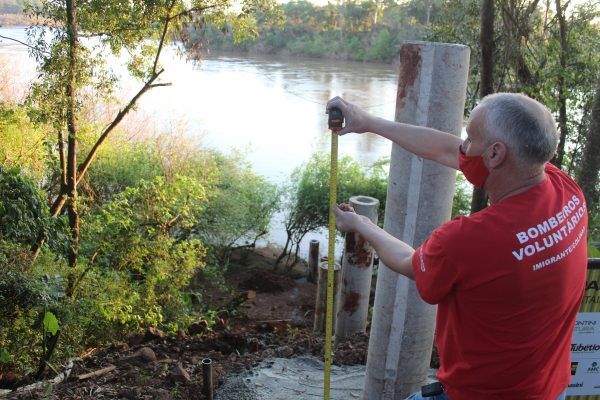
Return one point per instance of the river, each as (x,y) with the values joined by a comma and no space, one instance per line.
(272,107)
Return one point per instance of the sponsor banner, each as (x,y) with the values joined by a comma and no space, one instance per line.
(585,349)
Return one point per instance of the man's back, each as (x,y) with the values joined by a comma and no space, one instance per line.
(508,281)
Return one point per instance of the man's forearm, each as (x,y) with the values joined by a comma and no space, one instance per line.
(395,254)
(425,142)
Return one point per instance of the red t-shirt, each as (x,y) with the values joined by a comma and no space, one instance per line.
(508,281)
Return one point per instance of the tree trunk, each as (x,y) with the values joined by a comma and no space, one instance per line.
(72,139)
(340,8)
(562,90)
(486,40)
(376,12)
(590,163)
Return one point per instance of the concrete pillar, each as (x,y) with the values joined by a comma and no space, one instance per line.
(313,261)
(431,92)
(357,270)
(321,302)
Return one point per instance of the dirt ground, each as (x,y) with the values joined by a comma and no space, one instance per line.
(275,321)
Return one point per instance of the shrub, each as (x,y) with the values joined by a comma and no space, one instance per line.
(141,245)
(239,208)
(308,194)
(23,215)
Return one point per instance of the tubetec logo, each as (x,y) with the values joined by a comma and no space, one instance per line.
(585,348)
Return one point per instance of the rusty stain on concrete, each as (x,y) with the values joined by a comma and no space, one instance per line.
(351,302)
(410,64)
(358,250)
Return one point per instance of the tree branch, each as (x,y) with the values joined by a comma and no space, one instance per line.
(190,11)
(25,44)
(83,167)
(162,37)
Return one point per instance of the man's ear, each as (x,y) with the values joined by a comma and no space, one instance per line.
(497,154)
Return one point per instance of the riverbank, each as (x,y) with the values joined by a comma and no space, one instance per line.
(15,20)
(268,315)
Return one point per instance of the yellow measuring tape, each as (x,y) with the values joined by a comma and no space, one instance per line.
(331,260)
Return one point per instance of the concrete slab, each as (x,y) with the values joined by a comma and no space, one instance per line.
(298,378)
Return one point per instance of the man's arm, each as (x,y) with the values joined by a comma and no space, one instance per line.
(425,142)
(396,254)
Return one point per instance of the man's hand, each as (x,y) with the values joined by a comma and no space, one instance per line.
(396,254)
(346,219)
(357,120)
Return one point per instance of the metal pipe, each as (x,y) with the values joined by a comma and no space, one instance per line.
(321,302)
(431,92)
(313,261)
(207,378)
(357,271)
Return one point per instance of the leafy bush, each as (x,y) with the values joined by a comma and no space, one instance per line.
(381,48)
(308,195)
(27,295)
(23,215)
(22,143)
(141,246)
(120,164)
(239,208)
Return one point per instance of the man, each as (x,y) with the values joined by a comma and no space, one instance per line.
(509,279)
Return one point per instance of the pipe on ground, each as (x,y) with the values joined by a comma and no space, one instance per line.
(207,379)
(321,302)
(357,270)
(313,261)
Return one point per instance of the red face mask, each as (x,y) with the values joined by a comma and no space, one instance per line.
(474,169)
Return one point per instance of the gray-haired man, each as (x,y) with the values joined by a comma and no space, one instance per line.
(508,280)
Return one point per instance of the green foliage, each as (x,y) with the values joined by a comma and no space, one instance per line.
(143,252)
(461,204)
(22,143)
(18,290)
(593,251)
(120,164)
(381,48)
(4,357)
(343,31)
(14,6)
(25,295)
(308,196)
(239,209)
(50,323)
(23,214)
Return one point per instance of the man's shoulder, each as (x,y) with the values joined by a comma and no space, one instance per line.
(460,227)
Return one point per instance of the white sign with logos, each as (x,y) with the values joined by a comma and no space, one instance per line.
(585,355)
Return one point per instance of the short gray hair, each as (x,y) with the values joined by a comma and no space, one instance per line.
(524,125)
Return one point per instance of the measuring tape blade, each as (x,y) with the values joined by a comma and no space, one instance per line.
(331,262)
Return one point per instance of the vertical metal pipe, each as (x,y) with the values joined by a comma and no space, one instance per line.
(357,270)
(313,261)
(207,378)
(431,92)
(321,301)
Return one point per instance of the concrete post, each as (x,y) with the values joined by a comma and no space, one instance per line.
(357,270)
(321,303)
(431,92)
(313,261)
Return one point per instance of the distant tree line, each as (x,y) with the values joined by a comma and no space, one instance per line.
(15,6)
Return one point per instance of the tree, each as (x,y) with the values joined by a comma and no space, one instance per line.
(308,204)
(562,89)
(486,41)
(73,74)
(590,164)
(71,42)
